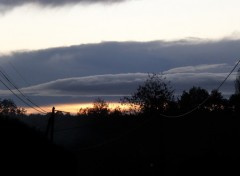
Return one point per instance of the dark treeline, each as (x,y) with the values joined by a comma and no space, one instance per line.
(195,134)
(156,98)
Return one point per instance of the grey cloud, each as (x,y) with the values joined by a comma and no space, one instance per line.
(113,58)
(81,89)
(200,68)
(6,5)
(120,85)
(98,85)
(113,69)
(209,81)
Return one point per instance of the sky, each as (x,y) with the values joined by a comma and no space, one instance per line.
(70,52)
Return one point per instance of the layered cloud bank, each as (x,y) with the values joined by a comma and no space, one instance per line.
(112,70)
(120,85)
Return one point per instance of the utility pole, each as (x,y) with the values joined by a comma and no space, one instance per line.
(50,125)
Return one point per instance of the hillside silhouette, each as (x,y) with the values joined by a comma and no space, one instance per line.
(150,145)
(25,151)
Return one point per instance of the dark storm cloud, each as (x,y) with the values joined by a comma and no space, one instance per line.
(112,69)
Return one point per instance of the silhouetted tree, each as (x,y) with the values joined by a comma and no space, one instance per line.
(116,112)
(234,102)
(99,109)
(83,112)
(194,97)
(216,102)
(154,96)
(9,108)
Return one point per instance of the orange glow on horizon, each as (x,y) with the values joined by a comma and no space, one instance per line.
(74,108)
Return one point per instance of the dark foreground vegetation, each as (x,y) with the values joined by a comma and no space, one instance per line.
(24,151)
(197,144)
(196,134)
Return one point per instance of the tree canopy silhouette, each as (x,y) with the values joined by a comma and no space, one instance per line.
(9,108)
(154,96)
(237,83)
(216,102)
(193,98)
(100,109)
(234,102)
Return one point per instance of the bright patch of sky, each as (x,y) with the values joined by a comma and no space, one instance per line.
(31,27)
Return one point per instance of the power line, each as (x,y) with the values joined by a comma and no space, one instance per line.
(18,73)
(204,101)
(7,78)
(4,76)
(228,75)
(181,115)
(26,83)
(105,142)
(26,103)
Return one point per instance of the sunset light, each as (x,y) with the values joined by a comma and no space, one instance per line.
(74,108)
